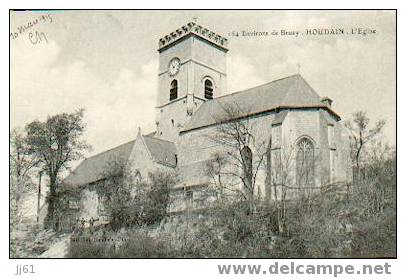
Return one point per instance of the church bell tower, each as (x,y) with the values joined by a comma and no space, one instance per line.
(192,70)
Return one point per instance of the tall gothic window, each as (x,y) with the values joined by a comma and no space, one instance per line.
(173,94)
(305,163)
(208,89)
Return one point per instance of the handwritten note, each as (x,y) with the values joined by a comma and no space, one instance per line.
(29,27)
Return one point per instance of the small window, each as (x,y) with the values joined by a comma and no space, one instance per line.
(208,89)
(173,122)
(174,90)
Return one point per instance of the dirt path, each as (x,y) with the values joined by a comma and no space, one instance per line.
(59,249)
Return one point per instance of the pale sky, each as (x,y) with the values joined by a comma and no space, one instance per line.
(106,62)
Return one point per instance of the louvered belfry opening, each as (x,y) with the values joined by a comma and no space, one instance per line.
(208,89)
(174,90)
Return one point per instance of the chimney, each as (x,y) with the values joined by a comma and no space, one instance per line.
(327,101)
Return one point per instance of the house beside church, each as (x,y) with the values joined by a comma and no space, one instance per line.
(295,136)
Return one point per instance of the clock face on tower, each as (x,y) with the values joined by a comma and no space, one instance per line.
(174,66)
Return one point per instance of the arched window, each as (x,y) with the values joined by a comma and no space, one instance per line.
(305,163)
(174,90)
(246,155)
(208,89)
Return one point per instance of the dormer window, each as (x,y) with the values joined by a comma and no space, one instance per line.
(173,93)
(208,89)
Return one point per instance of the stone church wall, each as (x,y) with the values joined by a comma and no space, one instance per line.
(339,146)
(89,204)
(299,124)
(201,73)
(171,118)
(198,145)
(140,160)
(331,147)
(213,57)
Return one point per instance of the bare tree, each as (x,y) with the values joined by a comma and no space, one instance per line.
(361,134)
(22,164)
(281,182)
(235,133)
(292,176)
(378,190)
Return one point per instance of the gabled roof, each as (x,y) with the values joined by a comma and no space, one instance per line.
(162,151)
(289,92)
(91,169)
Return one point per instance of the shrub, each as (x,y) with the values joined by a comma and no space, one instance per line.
(140,245)
(84,249)
(130,203)
(375,237)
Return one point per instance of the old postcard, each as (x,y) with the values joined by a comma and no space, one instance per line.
(203,134)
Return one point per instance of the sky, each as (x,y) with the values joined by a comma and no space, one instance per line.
(106,62)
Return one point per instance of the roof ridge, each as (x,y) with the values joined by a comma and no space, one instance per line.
(151,137)
(151,133)
(267,83)
(243,91)
(289,90)
(103,152)
(295,89)
(312,89)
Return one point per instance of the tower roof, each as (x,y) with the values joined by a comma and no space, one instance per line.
(189,29)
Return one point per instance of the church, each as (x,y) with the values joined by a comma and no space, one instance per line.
(287,134)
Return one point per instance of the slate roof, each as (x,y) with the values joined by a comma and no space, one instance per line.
(289,92)
(91,169)
(161,150)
